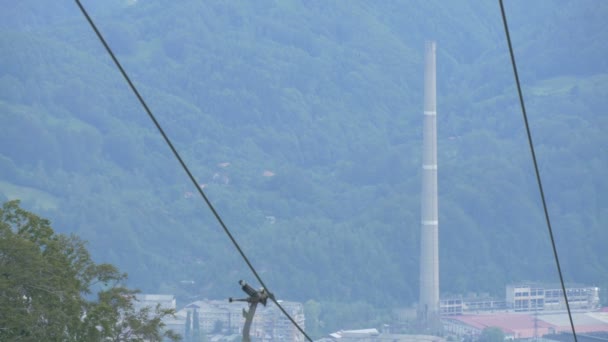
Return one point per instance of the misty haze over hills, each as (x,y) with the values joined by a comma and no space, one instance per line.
(302,120)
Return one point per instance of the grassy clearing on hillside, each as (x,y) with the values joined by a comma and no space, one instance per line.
(564,84)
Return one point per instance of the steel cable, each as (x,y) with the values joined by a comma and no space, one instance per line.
(185,167)
(538,179)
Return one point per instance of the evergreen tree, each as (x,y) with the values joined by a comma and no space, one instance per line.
(188,334)
(492,334)
(196,332)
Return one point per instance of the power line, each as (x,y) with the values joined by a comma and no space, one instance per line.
(540,185)
(184,166)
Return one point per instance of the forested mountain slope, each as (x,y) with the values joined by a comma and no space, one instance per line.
(303,121)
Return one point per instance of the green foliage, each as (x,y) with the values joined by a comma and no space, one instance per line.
(314,324)
(322,317)
(188,332)
(45,280)
(328,98)
(196,329)
(492,334)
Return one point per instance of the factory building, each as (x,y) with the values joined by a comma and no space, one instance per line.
(542,297)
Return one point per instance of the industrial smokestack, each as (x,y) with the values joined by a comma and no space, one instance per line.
(428,303)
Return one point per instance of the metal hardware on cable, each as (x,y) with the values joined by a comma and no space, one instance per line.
(255,297)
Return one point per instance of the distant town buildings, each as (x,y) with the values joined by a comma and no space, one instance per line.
(472,303)
(221,320)
(517,325)
(373,335)
(152,300)
(524,297)
(529,310)
(535,297)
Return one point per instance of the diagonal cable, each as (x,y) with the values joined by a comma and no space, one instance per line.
(540,185)
(184,166)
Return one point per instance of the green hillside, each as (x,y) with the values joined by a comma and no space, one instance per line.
(303,121)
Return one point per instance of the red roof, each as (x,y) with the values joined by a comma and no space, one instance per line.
(520,325)
(524,325)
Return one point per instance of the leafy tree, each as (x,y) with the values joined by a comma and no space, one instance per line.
(196,328)
(188,324)
(314,324)
(44,283)
(492,334)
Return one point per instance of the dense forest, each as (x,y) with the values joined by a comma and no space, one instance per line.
(302,122)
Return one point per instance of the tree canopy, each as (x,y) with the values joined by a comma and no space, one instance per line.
(492,334)
(47,279)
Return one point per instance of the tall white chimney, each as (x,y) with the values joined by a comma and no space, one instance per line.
(428,303)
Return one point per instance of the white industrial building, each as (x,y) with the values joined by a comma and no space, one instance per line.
(524,297)
(537,297)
